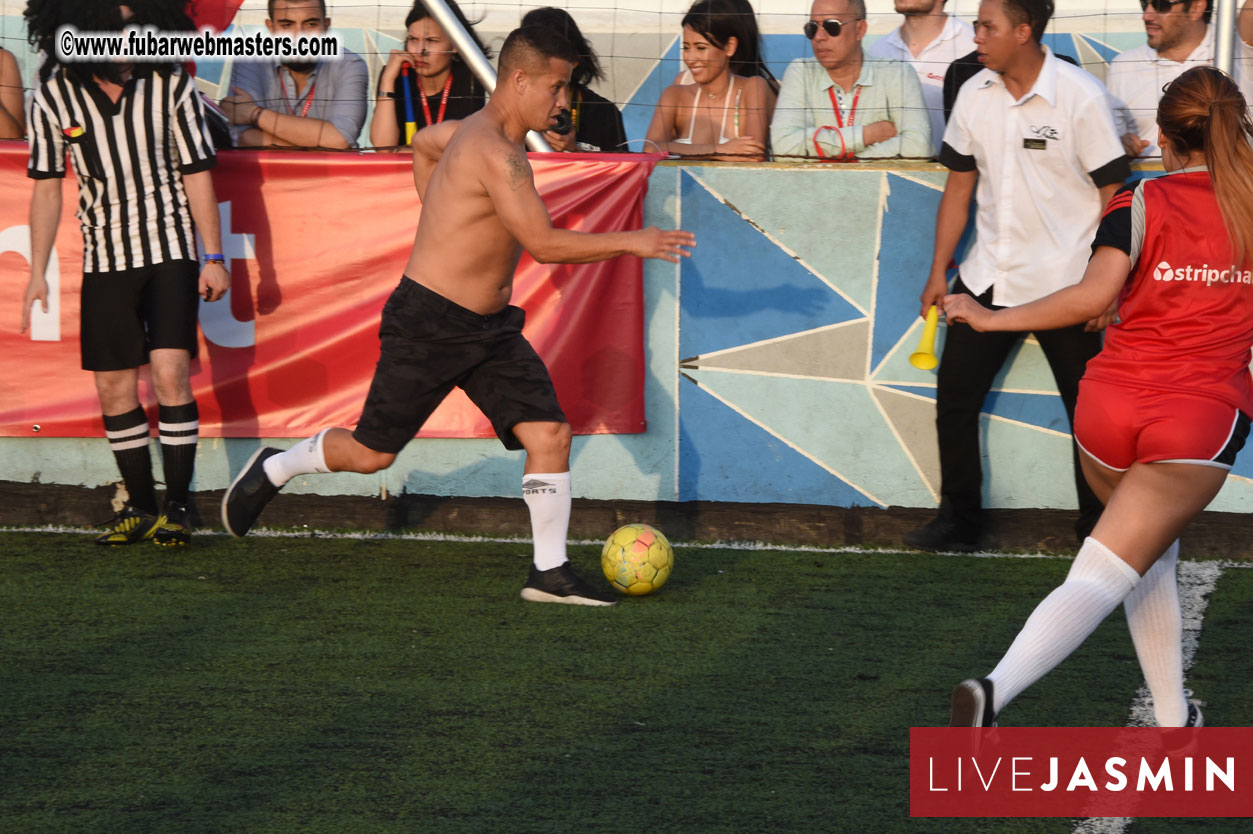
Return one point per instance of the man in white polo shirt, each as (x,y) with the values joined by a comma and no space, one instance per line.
(930,40)
(1036,135)
(1179,37)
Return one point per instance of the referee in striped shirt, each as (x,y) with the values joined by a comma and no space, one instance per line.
(141,152)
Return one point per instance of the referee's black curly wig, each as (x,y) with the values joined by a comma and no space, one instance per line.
(45,17)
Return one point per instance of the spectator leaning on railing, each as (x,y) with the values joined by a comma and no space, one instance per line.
(725,113)
(842,105)
(1179,36)
(928,40)
(298,103)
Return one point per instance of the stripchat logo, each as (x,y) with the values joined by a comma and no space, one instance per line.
(1203,273)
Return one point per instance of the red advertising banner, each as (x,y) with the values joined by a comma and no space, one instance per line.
(1080,772)
(316,242)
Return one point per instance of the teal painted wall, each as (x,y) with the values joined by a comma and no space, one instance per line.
(777,367)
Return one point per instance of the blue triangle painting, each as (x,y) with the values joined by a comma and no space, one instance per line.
(724,457)
(1043,410)
(904,260)
(738,287)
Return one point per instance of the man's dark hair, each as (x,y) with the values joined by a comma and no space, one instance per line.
(421,12)
(269,7)
(528,46)
(588,68)
(1034,13)
(44,17)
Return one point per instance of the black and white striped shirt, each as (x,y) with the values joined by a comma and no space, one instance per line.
(130,158)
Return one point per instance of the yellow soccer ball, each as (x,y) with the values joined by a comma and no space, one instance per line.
(637,559)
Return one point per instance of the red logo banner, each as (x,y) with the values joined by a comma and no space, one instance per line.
(315,243)
(1080,772)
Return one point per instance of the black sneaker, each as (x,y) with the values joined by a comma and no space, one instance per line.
(174,529)
(248,494)
(972,704)
(942,534)
(562,584)
(1195,719)
(130,526)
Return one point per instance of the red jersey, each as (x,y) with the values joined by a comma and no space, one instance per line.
(1185,313)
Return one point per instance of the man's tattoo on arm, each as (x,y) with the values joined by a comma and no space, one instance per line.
(519,171)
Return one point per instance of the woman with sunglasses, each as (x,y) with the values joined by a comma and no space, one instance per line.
(1164,408)
(839,105)
(725,113)
(426,82)
(1179,36)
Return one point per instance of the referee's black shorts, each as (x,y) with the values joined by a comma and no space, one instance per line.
(128,313)
(431,345)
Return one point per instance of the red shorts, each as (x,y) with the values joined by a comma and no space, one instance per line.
(1118,425)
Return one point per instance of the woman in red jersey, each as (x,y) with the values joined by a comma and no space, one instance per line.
(1164,408)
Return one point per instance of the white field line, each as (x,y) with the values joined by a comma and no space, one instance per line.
(715,545)
(1196,582)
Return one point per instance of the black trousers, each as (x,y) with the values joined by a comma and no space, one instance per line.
(968,366)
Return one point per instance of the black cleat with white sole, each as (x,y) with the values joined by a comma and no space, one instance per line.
(972,704)
(248,494)
(562,585)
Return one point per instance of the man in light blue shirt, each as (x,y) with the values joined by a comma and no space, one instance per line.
(840,105)
(299,103)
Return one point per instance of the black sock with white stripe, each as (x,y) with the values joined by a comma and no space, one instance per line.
(128,438)
(180,428)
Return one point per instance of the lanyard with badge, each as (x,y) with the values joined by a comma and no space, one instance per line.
(304,111)
(443,102)
(839,122)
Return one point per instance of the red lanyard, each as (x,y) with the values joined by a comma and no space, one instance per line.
(839,121)
(835,105)
(304,111)
(443,101)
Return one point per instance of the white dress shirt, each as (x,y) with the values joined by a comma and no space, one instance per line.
(955,40)
(1041,160)
(1136,77)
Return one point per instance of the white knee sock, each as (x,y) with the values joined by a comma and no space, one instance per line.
(305,458)
(1157,630)
(547,496)
(1097,582)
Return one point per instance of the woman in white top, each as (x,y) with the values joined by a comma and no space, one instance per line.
(725,113)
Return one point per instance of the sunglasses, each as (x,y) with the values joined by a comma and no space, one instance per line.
(1160,6)
(833,27)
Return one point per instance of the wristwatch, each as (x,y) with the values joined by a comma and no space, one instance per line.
(216,258)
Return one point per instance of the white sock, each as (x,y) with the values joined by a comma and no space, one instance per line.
(547,496)
(305,458)
(1097,582)
(1157,630)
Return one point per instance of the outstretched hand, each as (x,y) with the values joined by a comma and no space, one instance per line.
(665,245)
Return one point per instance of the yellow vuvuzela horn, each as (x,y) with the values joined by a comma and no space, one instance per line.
(924,357)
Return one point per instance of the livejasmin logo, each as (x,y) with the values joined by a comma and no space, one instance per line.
(1204,274)
(1080,772)
(1023,774)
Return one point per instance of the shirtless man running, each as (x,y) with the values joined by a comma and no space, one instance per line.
(449,322)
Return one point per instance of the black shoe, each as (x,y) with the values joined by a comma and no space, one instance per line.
(942,534)
(248,494)
(562,584)
(972,704)
(130,526)
(174,528)
(1195,719)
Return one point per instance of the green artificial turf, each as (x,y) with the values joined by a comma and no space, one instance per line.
(380,685)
